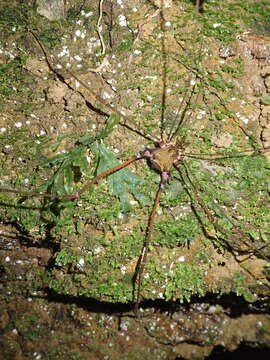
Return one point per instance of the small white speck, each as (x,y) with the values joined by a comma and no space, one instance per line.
(146,276)
(7,259)
(133,202)
(78,33)
(7,146)
(15,331)
(116,151)
(168,91)
(192,82)
(28,122)
(106,95)
(77,84)
(134,9)
(29,299)
(123,269)
(64,125)
(3,129)
(216,25)
(42,132)
(122,21)
(26,181)
(137,52)
(59,66)
(181,259)
(78,58)
(168,23)
(18,124)
(81,262)
(97,250)
(89,14)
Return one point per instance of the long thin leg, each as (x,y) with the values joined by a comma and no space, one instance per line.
(93,181)
(142,260)
(219,228)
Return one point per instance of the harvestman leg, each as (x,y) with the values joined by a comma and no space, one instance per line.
(143,257)
(89,183)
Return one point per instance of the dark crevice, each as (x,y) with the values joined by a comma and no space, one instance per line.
(234,305)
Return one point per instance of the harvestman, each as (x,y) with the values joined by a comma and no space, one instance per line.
(162,158)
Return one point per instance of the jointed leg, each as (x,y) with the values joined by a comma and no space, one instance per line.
(93,181)
(143,257)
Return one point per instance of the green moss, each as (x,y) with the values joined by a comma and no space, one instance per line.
(99,237)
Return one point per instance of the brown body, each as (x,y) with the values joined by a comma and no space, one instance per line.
(164,157)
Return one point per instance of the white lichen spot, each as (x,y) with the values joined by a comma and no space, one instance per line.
(123,269)
(78,58)
(81,262)
(78,32)
(168,23)
(105,95)
(58,66)
(18,124)
(7,259)
(90,13)
(216,25)
(181,259)
(124,325)
(3,129)
(64,125)
(97,250)
(192,82)
(146,276)
(134,10)
(137,52)
(133,202)
(122,20)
